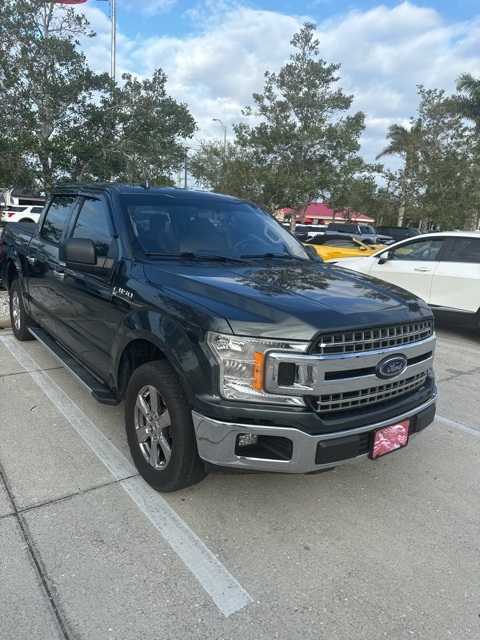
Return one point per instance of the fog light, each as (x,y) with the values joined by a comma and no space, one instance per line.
(247,440)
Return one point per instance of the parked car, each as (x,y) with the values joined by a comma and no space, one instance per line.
(22,213)
(329,246)
(442,268)
(305,231)
(364,232)
(398,233)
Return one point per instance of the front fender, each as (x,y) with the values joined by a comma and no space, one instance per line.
(178,341)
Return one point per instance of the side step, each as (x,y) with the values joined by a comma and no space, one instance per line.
(99,391)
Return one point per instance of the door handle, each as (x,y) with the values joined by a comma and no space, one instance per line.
(423,269)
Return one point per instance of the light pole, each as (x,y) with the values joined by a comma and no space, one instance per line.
(224,127)
(114,38)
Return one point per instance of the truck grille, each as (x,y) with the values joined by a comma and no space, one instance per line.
(362,397)
(343,371)
(373,339)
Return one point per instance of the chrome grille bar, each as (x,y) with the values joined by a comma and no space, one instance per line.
(373,339)
(349,400)
(341,372)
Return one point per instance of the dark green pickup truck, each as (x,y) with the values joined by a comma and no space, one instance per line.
(231,345)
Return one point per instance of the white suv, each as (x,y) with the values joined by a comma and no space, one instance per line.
(22,213)
(442,268)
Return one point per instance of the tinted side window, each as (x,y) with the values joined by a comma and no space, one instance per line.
(342,242)
(421,250)
(464,250)
(92,223)
(56,218)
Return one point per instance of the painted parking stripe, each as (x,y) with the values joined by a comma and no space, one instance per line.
(458,425)
(228,595)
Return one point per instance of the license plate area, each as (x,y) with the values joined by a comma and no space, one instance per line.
(389,439)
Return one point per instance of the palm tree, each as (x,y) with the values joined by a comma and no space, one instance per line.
(468,106)
(407,144)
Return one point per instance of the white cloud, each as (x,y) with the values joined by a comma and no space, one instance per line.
(385,53)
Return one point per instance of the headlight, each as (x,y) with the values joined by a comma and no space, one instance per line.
(241,362)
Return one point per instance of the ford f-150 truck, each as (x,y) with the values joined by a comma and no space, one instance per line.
(232,346)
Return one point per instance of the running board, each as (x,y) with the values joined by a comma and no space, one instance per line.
(99,391)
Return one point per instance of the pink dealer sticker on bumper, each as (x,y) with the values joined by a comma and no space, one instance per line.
(390,438)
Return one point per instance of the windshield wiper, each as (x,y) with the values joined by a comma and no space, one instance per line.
(289,256)
(209,256)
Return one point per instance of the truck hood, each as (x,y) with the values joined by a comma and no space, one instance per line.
(290,300)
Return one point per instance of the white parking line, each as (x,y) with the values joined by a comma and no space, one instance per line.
(228,595)
(458,425)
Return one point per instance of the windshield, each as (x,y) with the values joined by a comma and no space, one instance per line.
(169,225)
(365,228)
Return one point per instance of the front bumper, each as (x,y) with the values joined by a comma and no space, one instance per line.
(289,450)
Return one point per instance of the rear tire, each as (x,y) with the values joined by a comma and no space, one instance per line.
(19,317)
(160,430)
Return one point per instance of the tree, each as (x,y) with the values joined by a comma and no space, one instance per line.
(435,185)
(136,131)
(226,169)
(302,143)
(445,175)
(64,122)
(405,143)
(468,106)
(44,82)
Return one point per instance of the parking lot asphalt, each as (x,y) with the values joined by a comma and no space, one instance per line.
(384,549)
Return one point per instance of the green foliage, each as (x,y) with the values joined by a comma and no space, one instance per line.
(302,142)
(63,122)
(134,132)
(436,183)
(302,148)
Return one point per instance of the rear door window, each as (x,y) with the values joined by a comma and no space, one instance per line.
(464,250)
(56,218)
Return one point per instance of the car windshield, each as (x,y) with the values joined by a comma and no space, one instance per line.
(169,225)
(366,228)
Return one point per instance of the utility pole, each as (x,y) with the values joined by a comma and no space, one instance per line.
(114,38)
(224,127)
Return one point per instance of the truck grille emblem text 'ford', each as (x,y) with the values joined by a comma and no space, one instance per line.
(391,367)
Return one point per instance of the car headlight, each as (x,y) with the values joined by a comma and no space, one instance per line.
(242,367)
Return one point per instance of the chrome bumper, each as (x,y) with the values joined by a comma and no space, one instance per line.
(216,441)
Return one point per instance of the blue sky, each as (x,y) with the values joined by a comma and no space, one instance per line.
(215,52)
(177,17)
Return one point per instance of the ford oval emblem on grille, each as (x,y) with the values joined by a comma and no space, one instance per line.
(391,367)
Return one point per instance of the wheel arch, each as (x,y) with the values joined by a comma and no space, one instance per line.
(13,271)
(148,334)
(140,350)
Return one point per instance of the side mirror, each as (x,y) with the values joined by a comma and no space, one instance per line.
(78,254)
(385,257)
(312,252)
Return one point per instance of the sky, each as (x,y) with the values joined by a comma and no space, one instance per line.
(215,52)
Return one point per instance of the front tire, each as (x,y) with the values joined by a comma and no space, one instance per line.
(160,430)
(19,317)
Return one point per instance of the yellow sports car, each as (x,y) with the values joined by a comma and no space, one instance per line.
(329,246)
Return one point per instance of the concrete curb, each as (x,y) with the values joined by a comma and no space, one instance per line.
(5,322)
